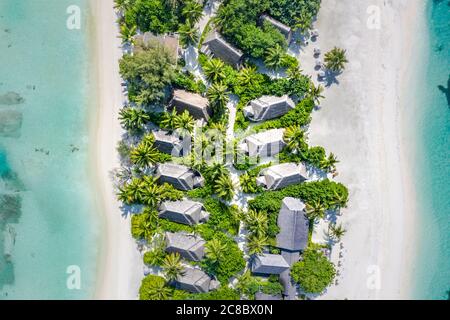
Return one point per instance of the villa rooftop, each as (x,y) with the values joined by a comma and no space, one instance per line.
(264,144)
(269,264)
(195,281)
(181,177)
(194,103)
(189,246)
(184,211)
(172,144)
(281,176)
(216,45)
(268,107)
(293,224)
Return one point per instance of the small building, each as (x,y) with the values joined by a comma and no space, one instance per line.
(267,297)
(194,103)
(264,144)
(294,226)
(266,264)
(281,176)
(168,41)
(184,211)
(268,107)
(181,177)
(217,46)
(285,30)
(190,247)
(172,144)
(195,281)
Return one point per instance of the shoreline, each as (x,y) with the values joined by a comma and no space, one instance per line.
(120,266)
(361,121)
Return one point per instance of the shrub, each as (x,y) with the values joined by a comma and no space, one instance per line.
(314,272)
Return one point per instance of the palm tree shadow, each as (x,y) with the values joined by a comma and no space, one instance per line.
(331,78)
(446,91)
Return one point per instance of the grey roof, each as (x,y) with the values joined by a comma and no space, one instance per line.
(285,30)
(181,177)
(216,45)
(269,264)
(268,107)
(267,297)
(197,105)
(293,224)
(290,288)
(171,143)
(189,246)
(264,144)
(183,211)
(281,176)
(195,281)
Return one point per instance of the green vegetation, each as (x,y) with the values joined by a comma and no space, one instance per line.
(249,285)
(313,272)
(154,288)
(148,73)
(336,59)
(295,13)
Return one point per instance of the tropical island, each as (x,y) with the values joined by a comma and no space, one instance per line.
(224,190)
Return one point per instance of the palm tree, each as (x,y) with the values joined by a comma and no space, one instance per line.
(315,210)
(127,34)
(335,60)
(219,126)
(340,199)
(329,163)
(192,11)
(274,57)
(151,195)
(224,187)
(256,244)
(144,228)
(218,97)
(247,76)
(132,192)
(168,119)
(215,250)
(213,70)
(144,155)
(184,121)
(133,118)
(295,139)
(157,290)
(172,267)
(336,231)
(248,183)
(315,93)
(216,170)
(257,222)
(122,5)
(189,34)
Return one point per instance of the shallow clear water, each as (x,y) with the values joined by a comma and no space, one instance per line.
(432,267)
(48,212)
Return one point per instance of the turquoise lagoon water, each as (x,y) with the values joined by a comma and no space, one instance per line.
(48,211)
(432,271)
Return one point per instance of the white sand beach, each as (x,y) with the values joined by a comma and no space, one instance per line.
(121,268)
(360,121)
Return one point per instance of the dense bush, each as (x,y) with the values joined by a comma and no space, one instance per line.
(314,272)
(221,216)
(223,293)
(148,73)
(154,288)
(295,13)
(187,81)
(229,263)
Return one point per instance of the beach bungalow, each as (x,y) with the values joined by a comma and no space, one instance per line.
(169,41)
(195,281)
(189,246)
(281,176)
(181,177)
(197,105)
(172,144)
(217,46)
(294,226)
(264,144)
(285,30)
(268,107)
(267,264)
(184,211)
